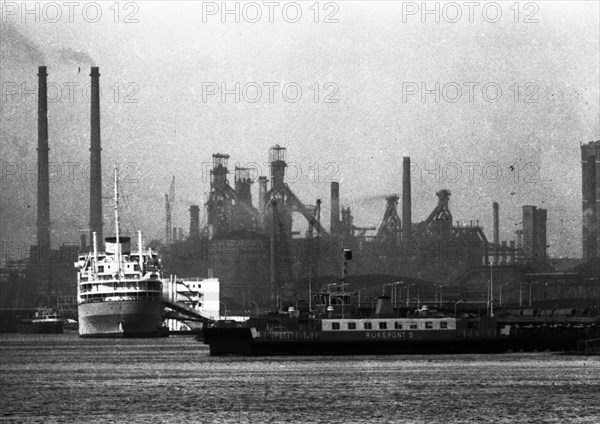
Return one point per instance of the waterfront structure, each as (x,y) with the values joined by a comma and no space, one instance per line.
(590,186)
(534,232)
(198,294)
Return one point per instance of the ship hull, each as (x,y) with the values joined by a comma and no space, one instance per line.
(125,318)
(29,327)
(47,327)
(239,341)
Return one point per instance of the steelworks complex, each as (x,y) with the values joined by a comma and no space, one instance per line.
(261,263)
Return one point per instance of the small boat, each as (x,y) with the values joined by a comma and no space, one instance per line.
(47,321)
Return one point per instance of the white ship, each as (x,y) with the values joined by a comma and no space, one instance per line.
(119,291)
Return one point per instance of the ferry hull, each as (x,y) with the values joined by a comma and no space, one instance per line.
(126,318)
(239,341)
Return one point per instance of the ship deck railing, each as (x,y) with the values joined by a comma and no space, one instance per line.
(288,335)
(315,335)
(130,295)
(478,332)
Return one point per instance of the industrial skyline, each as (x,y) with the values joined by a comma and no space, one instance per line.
(408,192)
(171,131)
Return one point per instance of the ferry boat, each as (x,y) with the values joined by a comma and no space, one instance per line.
(119,291)
(337,328)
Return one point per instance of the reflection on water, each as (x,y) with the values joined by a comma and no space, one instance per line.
(62,378)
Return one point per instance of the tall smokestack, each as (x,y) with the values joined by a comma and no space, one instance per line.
(541,218)
(43,183)
(335,208)
(496,229)
(529,230)
(262,195)
(194,221)
(406,202)
(95,158)
(597,184)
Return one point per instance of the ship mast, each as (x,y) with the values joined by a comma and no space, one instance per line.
(140,257)
(118,252)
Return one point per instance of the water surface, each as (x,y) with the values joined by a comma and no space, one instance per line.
(62,378)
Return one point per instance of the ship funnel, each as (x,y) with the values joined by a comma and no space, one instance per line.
(110,245)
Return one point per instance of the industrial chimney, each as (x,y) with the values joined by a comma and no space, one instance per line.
(278,165)
(597,184)
(262,195)
(406,202)
(95,158)
(496,230)
(335,208)
(43,182)
(194,221)
(243,183)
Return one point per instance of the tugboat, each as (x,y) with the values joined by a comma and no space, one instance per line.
(338,327)
(47,321)
(119,291)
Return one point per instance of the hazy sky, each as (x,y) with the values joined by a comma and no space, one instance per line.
(160,118)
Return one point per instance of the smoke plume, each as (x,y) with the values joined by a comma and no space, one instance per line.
(79,57)
(16,46)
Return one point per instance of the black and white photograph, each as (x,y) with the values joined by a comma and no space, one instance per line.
(299,212)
